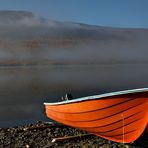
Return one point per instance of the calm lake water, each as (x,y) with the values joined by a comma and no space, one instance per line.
(24,89)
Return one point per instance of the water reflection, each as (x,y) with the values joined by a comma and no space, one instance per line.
(24,89)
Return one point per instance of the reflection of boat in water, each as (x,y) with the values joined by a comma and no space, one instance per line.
(119,116)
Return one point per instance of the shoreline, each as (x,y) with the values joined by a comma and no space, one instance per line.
(49,134)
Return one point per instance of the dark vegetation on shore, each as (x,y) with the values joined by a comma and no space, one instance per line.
(41,135)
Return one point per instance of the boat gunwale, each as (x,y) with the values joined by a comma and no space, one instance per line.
(130,91)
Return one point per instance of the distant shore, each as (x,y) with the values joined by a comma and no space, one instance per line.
(50,134)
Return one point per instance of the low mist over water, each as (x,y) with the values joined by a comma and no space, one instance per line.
(42,60)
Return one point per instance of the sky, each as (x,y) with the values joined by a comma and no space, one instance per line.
(115,13)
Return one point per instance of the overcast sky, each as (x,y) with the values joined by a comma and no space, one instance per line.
(116,13)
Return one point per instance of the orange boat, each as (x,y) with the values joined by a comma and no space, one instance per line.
(119,116)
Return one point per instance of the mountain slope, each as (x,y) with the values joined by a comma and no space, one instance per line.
(27,39)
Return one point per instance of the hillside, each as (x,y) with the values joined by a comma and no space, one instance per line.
(28,39)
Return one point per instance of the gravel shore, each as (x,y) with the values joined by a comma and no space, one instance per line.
(41,135)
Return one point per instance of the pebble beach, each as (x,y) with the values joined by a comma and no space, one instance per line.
(54,135)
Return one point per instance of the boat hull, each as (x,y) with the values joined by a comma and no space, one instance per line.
(120,118)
